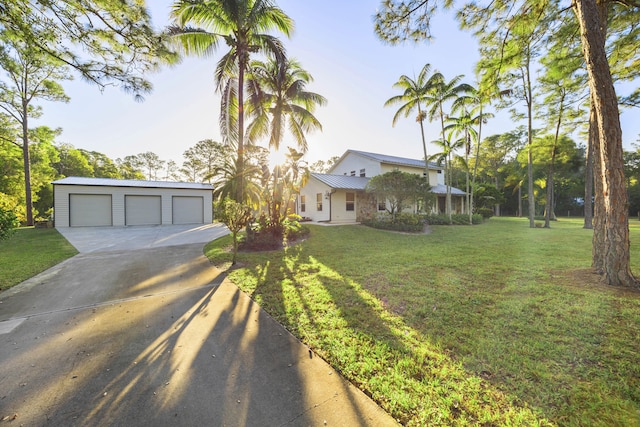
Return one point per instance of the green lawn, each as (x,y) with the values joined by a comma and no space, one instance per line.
(496,324)
(30,251)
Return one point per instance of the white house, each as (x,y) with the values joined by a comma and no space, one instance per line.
(82,202)
(340,197)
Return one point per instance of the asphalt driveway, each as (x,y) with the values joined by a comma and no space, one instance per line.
(142,330)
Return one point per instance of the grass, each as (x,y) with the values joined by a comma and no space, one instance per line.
(30,251)
(496,324)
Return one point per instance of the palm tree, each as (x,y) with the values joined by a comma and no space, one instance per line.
(278,101)
(441,93)
(243,26)
(446,157)
(470,116)
(414,93)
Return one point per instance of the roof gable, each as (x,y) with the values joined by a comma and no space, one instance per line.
(386,159)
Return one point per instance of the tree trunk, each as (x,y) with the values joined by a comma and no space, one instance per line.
(588,181)
(532,201)
(424,146)
(475,165)
(616,263)
(27,163)
(599,211)
(240,161)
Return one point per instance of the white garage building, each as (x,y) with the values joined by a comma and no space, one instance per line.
(94,202)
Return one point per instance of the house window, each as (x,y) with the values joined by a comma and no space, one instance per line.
(439,170)
(353,173)
(319,202)
(351,201)
(362,172)
(382,205)
(303,203)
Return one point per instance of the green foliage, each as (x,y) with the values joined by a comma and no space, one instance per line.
(278,100)
(399,189)
(109,42)
(400,222)
(485,212)
(235,216)
(456,219)
(486,196)
(8,223)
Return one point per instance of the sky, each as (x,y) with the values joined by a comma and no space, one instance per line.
(334,41)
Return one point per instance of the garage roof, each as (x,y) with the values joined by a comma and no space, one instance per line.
(107,182)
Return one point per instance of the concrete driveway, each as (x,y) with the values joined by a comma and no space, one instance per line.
(144,331)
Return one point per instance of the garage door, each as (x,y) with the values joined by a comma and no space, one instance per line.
(188,210)
(142,210)
(89,210)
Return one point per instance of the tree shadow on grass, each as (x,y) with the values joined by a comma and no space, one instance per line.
(407,373)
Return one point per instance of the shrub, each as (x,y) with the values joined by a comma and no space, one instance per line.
(8,223)
(400,222)
(485,212)
(265,234)
(456,219)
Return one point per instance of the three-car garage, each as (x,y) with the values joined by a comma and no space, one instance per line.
(87,202)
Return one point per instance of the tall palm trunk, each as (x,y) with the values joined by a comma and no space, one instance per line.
(475,165)
(240,161)
(421,118)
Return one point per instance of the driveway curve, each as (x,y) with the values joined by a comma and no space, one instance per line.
(140,329)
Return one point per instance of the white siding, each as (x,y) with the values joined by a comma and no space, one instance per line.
(355,162)
(339,212)
(62,192)
(434,176)
(310,191)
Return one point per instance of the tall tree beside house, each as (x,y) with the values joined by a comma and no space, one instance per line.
(468,123)
(412,98)
(279,100)
(243,25)
(446,156)
(442,93)
(29,76)
(399,190)
(109,42)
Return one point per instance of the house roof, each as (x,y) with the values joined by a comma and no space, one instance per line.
(391,160)
(342,182)
(442,189)
(107,182)
(345,182)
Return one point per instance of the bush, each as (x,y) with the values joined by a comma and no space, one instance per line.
(400,222)
(265,234)
(456,219)
(8,223)
(485,212)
